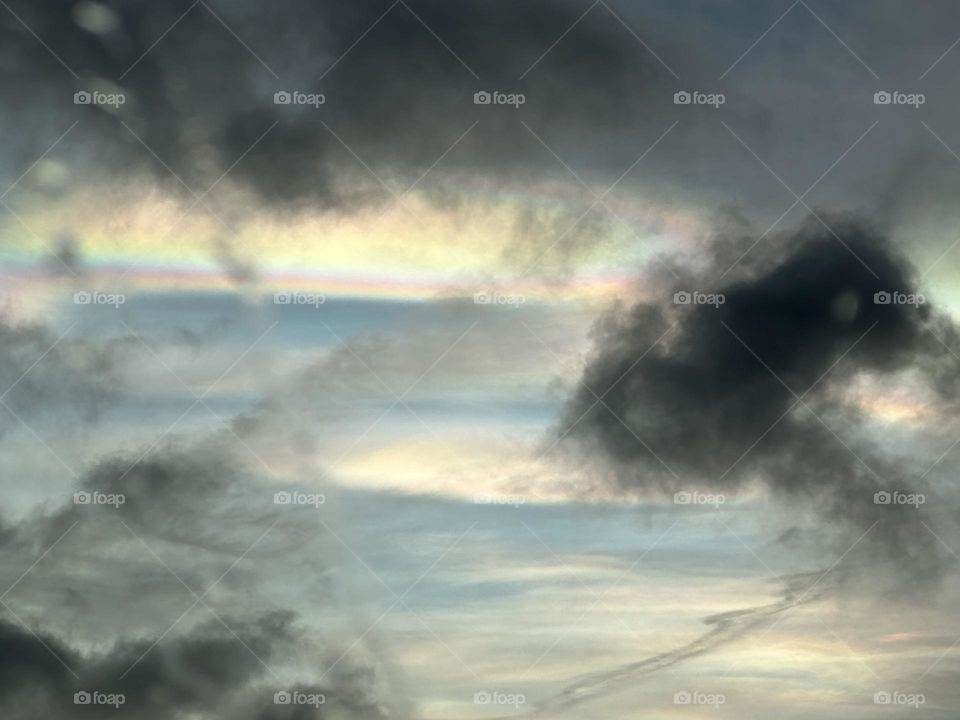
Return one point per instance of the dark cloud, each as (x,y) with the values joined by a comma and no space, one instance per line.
(185,494)
(399,99)
(212,673)
(175,521)
(751,390)
(240,271)
(201,97)
(353,701)
(66,257)
(190,516)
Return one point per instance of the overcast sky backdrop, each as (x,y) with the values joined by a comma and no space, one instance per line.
(463,360)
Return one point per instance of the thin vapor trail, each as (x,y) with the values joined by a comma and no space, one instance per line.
(724,628)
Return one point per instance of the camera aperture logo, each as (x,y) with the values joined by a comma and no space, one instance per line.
(695,697)
(695,297)
(299,298)
(496,97)
(99,298)
(296,97)
(895,97)
(513,500)
(95,697)
(696,97)
(897,697)
(299,498)
(493,297)
(295,697)
(685,497)
(895,497)
(95,497)
(496,697)
(895,297)
(95,97)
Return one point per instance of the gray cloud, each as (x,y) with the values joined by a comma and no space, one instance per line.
(190,516)
(213,673)
(749,390)
(399,98)
(65,381)
(200,99)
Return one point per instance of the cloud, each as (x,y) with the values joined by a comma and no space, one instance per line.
(212,673)
(65,380)
(745,389)
(124,578)
(200,99)
(66,256)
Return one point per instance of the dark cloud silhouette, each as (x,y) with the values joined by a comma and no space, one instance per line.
(402,96)
(66,257)
(751,389)
(212,673)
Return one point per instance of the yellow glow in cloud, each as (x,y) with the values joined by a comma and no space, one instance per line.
(406,247)
(891,402)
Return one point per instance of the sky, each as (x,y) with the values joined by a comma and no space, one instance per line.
(473,360)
